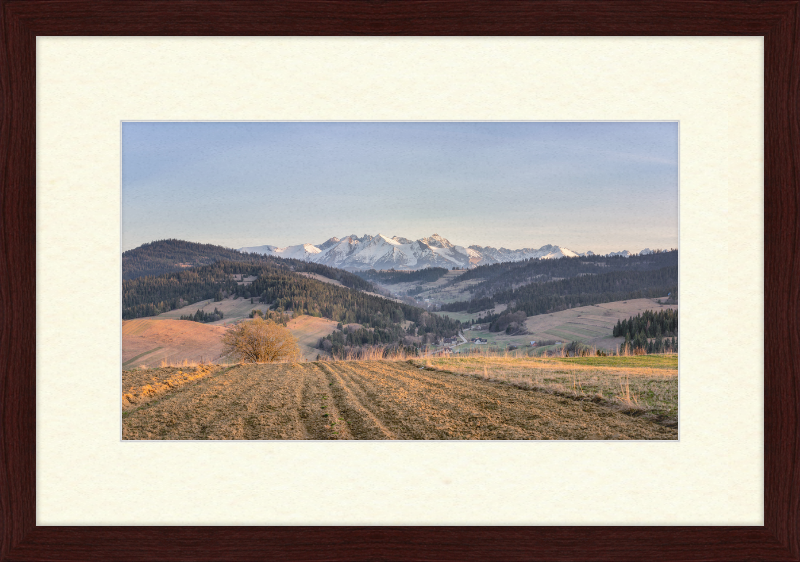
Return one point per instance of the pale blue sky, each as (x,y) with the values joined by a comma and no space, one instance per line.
(596,186)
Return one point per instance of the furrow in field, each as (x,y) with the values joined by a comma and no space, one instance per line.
(140,387)
(355,417)
(412,412)
(389,403)
(319,408)
(474,409)
(247,402)
(447,409)
(371,400)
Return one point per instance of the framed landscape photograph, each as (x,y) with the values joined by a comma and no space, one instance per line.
(448,235)
(407,335)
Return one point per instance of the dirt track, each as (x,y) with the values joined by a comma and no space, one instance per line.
(366,400)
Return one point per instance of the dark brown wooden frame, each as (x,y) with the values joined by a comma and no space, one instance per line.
(777,20)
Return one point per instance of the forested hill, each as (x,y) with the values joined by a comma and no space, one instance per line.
(502,276)
(391,276)
(168,256)
(584,290)
(381,319)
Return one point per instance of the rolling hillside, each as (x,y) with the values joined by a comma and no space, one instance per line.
(166,256)
(591,325)
(149,341)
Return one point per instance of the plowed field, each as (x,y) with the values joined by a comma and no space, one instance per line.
(357,400)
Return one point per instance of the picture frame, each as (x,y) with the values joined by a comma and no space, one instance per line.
(777,21)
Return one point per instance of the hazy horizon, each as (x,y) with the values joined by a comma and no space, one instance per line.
(598,186)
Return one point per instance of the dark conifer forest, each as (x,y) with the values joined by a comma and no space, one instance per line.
(552,296)
(204,317)
(166,256)
(500,276)
(390,277)
(651,332)
(545,286)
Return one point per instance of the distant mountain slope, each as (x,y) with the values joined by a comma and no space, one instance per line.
(582,290)
(166,256)
(170,256)
(380,252)
(503,276)
(427,275)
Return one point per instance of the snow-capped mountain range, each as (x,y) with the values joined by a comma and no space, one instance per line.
(381,252)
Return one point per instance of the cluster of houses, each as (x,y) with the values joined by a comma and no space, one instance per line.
(451,341)
(479,340)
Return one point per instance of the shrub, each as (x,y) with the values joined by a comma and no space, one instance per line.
(261,341)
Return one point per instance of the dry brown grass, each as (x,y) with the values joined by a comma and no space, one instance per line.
(150,341)
(157,342)
(633,389)
(308,330)
(319,277)
(142,386)
(592,325)
(233,308)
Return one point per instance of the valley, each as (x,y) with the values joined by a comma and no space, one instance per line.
(590,325)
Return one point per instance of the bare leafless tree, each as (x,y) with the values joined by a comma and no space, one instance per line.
(261,341)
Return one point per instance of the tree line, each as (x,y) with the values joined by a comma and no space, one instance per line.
(205,317)
(649,322)
(356,340)
(510,323)
(278,317)
(650,331)
(341,343)
(392,276)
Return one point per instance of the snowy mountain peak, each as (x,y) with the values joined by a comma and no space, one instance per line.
(437,241)
(382,252)
(388,240)
(328,243)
